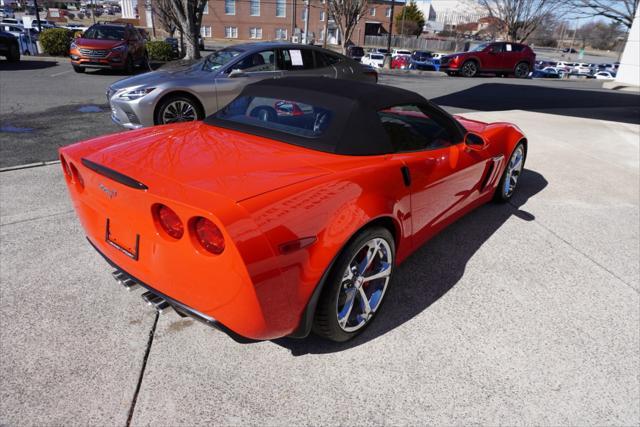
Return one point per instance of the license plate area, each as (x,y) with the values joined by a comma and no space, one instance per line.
(117,237)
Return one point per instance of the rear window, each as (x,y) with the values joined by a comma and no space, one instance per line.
(377,56)
(292,117)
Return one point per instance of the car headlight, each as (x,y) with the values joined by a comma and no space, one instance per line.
(135,93)
(73,46)
(120,48)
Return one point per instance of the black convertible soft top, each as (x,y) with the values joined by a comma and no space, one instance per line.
(355,129)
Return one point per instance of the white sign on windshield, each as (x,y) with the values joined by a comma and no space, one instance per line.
(27,21)
(296,58)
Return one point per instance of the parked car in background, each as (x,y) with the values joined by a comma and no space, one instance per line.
(566,66)
(175,46)
(582,68)
(400,62)
(9,47)
(569,50)
(378,50)
(423,60)
(559,71)
(113,46)
(501,58)
(437,55)
(6,12)
(191,93)
(547,73)
(355,52)
(375,60)
(400,52)
(605,75)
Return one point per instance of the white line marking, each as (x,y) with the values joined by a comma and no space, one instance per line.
(59,74)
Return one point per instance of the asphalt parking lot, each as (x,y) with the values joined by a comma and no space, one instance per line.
(525,313)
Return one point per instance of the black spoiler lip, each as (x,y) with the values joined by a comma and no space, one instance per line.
(114,175)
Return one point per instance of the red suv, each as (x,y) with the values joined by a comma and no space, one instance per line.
(115,46)
(502,58)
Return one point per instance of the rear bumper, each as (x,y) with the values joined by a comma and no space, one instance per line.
(182,309)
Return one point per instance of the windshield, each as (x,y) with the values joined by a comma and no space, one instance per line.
(107,33)
(220,58)
(421,56)
(480,47)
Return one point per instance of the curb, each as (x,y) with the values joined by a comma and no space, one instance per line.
(29,166)
(395,72)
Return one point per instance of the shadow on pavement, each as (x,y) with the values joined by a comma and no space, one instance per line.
(592,104)
(26,65)
(433,270)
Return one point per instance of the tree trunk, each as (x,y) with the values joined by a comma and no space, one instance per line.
(192,51)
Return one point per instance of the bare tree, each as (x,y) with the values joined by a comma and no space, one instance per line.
(186,15)
(346,14)
(619,11)
(163,11)
(522,17)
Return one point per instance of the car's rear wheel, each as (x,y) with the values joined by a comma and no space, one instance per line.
(469,69)
(178,108)
(14,53)
(522,70)
(511,176)
(78,69)
(356,285)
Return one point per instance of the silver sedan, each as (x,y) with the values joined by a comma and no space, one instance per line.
(192,93)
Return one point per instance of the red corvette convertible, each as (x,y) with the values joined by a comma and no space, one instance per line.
(266,225)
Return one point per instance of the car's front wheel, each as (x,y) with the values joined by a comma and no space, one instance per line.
(176,109)
(511,176)
(356,285)
(469,69)
(78,69)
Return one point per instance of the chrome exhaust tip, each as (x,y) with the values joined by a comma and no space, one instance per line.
(128,283)
(156,302)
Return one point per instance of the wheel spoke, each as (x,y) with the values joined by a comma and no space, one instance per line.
(366,308)
(385,272)
(343,316)
(371,255)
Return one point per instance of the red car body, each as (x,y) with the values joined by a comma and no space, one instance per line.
(283,212)
(401,62)
(499,57)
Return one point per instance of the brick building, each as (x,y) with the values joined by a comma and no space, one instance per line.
(255,20)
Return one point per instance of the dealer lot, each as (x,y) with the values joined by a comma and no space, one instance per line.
(525,313)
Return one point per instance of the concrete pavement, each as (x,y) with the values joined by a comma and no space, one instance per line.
(526,313)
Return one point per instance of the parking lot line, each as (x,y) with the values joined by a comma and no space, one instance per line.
(60,73)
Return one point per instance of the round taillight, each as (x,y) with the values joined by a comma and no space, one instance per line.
(208,235)
(65,167)
(76,176)
(169,221)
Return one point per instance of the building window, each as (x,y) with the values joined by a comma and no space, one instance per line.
(230,7)
(281,33)
(322,15)
(205,31)
(255,33)
(388,12)
(372,11)
(254,7)
(231,32)
(281,9)
(205,11)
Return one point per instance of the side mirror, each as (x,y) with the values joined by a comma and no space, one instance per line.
(475,141)
(237,73)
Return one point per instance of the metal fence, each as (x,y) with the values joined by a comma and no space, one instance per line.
(412,43)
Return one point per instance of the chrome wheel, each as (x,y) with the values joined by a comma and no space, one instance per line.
(364,284)
(179,111)
(513,171)
(469,69)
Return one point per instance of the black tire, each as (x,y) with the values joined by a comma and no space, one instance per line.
(522,70)
(14,53)
(469,69)
(325,322)
(266,114)
(78,69)
(502,195)
(166,102)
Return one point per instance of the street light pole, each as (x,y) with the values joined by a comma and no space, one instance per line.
(326,23)
(306,21)
(387,62)
(35,4)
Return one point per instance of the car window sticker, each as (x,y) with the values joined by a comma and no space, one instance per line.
(296,58)
(508,47)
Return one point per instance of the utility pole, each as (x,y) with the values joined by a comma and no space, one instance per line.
(35,4)
(404,13)
(306,21)
(326,23)
(93,11)
(293,19)
(387,62)
(574,37)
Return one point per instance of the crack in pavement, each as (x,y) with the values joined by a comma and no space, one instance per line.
(152,333)
(37,218)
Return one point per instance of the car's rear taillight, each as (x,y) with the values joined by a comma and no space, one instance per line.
(168,220)
(208,235)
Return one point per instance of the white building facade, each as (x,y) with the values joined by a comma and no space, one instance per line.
(447,13)
(629,72)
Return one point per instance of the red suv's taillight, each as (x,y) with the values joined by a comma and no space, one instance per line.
(208,235)
(169,221)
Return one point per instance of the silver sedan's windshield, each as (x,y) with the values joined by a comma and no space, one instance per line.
(220,58)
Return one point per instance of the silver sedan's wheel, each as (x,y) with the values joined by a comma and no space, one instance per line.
(364,284)
(179,110)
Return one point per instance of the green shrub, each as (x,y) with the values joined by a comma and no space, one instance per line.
(160,51)
(56,41)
